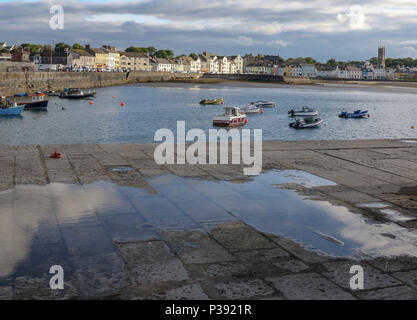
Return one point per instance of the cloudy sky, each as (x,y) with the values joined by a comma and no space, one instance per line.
(341,29)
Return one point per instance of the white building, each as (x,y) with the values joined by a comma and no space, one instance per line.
(195,64)
(161,65)
(237,61)
(354,72)
(379,73)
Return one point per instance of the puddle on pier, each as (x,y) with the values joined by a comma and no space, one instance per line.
(44,225)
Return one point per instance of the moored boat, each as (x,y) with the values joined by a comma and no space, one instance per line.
(232,117)
(355,114)
(263,104)
(304,112)
(36,101)
(306,123)
(212,101)
(10,108)
(76,93)
(251,109)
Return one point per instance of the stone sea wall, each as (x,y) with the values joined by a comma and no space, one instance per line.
(18,82)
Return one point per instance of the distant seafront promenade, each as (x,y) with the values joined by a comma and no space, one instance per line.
(124,227)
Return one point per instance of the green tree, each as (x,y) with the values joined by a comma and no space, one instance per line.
(170,53)
(151,51)
(193,55)
(162,54)
(310,60)
(332,63)
(34,48)
(46,50)
(77,46)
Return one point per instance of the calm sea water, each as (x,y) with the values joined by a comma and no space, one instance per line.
(149,107)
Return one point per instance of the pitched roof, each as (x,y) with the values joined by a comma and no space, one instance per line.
(134,54)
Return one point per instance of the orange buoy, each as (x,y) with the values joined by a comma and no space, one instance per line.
(56,155)
(412,127)
(122,104)
(91,102)
(262,110)
(113,97)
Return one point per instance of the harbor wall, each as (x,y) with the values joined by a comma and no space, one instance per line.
(19,82)
(255,78)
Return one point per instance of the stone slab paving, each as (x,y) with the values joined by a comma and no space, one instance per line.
(215,256)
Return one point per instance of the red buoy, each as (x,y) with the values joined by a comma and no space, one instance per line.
(56,155)
(113,97)
(246,120)
(91,102)
(122,104)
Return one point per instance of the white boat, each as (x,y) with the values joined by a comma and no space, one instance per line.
(251,109)
(231,117)
(305,112)
(306,123)
(264,104)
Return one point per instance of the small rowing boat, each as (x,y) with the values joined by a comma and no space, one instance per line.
(264,104)
(212,101)
(306,123)
(304,112)
(355,114)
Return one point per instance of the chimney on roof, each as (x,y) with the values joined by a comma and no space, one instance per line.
(87,46)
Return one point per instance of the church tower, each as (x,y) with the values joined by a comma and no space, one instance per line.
(381,57)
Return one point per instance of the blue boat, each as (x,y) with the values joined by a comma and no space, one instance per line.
(10,109)
(355,114)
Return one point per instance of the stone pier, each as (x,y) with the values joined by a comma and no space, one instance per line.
(229,259)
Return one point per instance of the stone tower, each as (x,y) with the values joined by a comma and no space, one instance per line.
(381,57)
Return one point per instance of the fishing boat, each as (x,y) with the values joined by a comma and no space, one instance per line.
(251,109)
(212,101)
(76,93)
(36,101)
(53,93)
(306,123)
(10,108)
(304,112)
(231,117)
(355,114)
(264,104)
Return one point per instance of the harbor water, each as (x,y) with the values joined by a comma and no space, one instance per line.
(149,107)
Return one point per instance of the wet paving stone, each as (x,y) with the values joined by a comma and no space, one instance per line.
(308,286)
(237,236)
(29,288)
(188,292)
(395,293)
(339,272)
(196,247)
(206,231)
(292,265)
(226,269)
(244,289)
(100,276)
(151,262)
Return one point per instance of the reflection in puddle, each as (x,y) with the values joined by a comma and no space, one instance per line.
(45,224)
(396,215)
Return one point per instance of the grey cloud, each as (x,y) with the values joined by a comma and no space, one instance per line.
(227,27)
